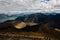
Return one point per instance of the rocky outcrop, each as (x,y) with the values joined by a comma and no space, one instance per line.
(24,24)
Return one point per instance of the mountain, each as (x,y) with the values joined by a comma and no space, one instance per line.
(4,17)
(52,20)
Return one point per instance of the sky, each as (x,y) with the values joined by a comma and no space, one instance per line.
(29,6)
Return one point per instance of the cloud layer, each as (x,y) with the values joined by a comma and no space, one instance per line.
(30,5)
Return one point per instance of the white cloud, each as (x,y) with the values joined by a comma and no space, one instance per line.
(30,5)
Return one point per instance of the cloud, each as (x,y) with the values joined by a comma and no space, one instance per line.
(30,5)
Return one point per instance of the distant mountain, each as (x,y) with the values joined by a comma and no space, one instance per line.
(5,17)
(52,20)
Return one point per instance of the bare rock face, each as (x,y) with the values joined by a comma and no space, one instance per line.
(31,24)
(20,25)
(57,29)
(24,24)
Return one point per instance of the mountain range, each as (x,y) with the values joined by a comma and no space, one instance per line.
(52,19)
